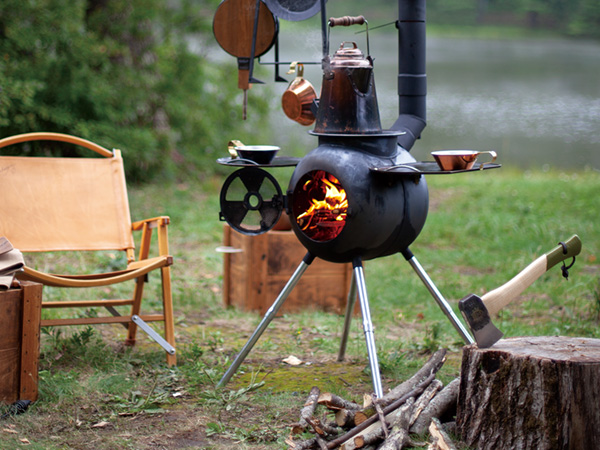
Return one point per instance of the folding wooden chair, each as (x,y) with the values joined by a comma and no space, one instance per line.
(54,204)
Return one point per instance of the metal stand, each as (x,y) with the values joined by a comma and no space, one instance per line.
(359,278)
(358,286)
(348,319)
(269,316)
(439,298)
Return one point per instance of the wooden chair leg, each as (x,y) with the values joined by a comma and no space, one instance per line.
(135,309)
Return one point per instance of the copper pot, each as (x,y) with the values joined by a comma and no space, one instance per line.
(298,97)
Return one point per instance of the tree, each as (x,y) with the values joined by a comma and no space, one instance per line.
(121,74)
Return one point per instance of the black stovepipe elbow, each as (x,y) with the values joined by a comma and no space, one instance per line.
(412,79)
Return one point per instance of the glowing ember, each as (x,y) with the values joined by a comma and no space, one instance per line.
(325,206)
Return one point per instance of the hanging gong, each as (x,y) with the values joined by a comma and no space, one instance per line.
(294,10)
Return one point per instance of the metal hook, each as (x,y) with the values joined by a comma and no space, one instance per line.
(564,268)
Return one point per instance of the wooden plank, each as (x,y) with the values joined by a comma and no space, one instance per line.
(30,340)
(9,371)
(255,277)
(10,318)
(226,266)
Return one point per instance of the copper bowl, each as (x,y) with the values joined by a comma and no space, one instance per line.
(449,160)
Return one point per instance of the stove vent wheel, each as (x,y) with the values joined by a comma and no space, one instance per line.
(251,201)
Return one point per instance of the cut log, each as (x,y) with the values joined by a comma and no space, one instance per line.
(399,435)
(344,418)
(323,429)
(531,393)
(430,368)
(441,440)
(387,410)
(374,433)
(309,406)
(443,402)
(332,401)
(425,399)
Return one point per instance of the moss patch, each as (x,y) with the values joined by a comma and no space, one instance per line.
(328,376)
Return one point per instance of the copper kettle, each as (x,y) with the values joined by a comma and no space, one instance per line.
(348,103)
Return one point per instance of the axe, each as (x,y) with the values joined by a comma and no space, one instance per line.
(477,310)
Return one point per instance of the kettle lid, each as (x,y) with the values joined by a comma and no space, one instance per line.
(350,57)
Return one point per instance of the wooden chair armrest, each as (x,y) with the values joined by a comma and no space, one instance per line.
(150,261)
(153,222)
(134,271)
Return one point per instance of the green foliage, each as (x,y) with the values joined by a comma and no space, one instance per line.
(586,19)
(120,74)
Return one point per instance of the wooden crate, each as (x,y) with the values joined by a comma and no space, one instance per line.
(20,313)
(254,277)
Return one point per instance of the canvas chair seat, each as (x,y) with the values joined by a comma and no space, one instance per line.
(52,204)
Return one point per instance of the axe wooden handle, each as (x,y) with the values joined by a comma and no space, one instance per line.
(497,299)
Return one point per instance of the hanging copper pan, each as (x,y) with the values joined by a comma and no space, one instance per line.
(298,97)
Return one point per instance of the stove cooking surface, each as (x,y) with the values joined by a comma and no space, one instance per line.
(278,161)
(429,168)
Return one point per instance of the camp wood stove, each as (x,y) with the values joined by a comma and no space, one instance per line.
(359,194)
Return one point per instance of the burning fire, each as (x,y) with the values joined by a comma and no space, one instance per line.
(327,208)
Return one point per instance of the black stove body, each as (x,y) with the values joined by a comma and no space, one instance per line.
(383,215)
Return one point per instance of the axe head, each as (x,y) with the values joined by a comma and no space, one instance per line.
(476,314)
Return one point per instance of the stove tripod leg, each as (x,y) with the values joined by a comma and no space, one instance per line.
(359,278)
(439,298)
(269,316)
(348,319)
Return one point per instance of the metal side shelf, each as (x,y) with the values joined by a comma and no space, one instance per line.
(429,168)
(278,161)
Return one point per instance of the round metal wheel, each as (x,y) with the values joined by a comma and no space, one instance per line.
(251,201)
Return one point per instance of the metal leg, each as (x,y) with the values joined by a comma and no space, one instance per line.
(153,334)
(348,319)
(439,298)
(269,316)
(359,278)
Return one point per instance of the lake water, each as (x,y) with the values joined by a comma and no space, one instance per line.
(536,103)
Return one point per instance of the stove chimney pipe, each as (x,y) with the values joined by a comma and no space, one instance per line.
(412,80)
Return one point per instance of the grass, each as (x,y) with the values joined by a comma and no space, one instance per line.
(481,230)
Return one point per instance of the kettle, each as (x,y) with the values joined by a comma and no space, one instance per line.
(348,102)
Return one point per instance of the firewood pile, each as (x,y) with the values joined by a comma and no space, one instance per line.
(387,423)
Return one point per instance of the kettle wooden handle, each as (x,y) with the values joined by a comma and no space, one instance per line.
(346,21)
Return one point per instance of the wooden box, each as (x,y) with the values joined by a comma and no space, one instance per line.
(20,313)
(260,266)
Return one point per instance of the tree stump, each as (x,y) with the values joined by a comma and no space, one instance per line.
(531,393)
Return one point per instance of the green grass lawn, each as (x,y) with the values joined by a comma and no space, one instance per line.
(482,229)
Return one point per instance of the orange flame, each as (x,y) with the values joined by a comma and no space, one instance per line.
(332,208)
